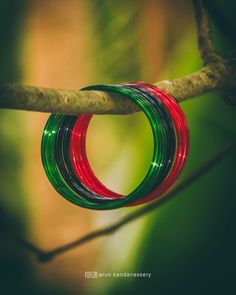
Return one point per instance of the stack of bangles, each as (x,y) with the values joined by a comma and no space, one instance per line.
(66,164)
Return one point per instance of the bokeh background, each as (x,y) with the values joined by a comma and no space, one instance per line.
(189,244)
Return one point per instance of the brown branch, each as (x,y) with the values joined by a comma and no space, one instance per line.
(217,73)
(205,39)
(74,102)
(45,256)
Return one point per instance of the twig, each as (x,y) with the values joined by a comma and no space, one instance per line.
(74,102)
(44,256)
(26,245)
(205,40)
(217,73)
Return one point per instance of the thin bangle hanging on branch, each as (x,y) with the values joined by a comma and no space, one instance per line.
(218,74)
(66,164)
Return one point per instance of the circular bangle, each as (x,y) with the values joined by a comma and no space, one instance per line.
(182,134)
(80,162)
(67,167)
(182,139)
(59,160)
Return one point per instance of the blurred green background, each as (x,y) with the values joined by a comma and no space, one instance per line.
(189,244)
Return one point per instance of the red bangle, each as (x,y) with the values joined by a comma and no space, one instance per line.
(182,136)
(84,172)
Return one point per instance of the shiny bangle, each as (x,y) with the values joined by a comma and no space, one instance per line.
(67,167)
(182,134)
(182,139)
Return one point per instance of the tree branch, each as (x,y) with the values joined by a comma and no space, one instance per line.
(217,74)
(44,256)
(74,102)
(205,40)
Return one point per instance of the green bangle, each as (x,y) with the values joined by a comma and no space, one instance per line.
(57,163)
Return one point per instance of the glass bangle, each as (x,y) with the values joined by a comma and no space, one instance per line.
(84,171)
(182,135)
(67,167)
